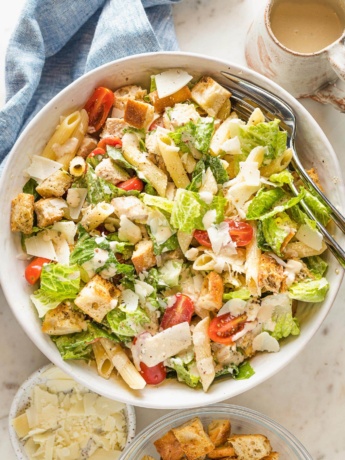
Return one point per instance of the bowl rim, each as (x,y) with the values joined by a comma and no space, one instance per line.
(18,402)
(130,398)
(230,410)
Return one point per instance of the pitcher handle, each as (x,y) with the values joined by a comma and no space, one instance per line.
(336,57)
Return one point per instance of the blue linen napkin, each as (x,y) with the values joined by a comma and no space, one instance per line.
(56,41)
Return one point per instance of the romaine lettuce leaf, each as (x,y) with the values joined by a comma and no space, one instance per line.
(78,345)
(116,155)
(245,371)
(58,283)
(158,202)
(127,324)
(197,135)
(170,272)
(263,202)
(309,291)
(319,210)
(218,171)
(266,134)
(276,229)
(284,177)
(231,369)
(316,265)
(242,293)
(186,373)
(286,325)
(30,187)
(284,206)
(189,210)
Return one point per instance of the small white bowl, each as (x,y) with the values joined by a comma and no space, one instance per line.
(21,401)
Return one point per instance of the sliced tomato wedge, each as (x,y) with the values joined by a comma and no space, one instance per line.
(224,327)
(98,107)
(241,232)
(132,184)
(181,311)
(95,152)
(153,375)
(34,269)
(112,141)
(202,238)
(158,122)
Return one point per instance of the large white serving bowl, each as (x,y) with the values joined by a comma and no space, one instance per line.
(314,149)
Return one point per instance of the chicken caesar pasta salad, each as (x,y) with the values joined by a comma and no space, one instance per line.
(162,235)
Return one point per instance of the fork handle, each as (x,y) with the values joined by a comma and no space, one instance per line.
(337,216)
(333,246)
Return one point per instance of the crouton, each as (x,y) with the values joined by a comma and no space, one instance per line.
(22,213)
(128,92)
(131,207)
(147,457)
(63,320)
(55,185)
(138,114)
(48,211)
(219,431)
(111,172)
(312,173)
(160,104)
(222,451)
(194,442)
(211,294)
(97,298)
(271,274)
(253,446)
(271,456)
(168,447)
(114,127)
(143,257)
(210,95)
(88,144)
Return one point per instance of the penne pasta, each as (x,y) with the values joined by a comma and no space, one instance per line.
(173,162)
(203,355)
(123,364)
(253,255)
(77,166)
(104,364)
(277,165)
(95,216)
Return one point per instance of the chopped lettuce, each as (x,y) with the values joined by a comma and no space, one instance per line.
(285,325)
(196,135)
(170,272)
(78,345)
(316,265)
(30,187)
(186,373)
(242,293)
(116,155)
(189,210)
(245,371)
(127,324)
(266,134)
(284,206)
(276,229)
(58,283)
(158,202)
(319,210)
(218,171)
(99,190)
(263,202)
(309,291)
(284,177)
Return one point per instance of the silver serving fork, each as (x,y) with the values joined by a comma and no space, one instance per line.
(246,96)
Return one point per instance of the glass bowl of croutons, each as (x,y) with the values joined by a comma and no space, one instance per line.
(219,431)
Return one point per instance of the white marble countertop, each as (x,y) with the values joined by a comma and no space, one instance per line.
(308,395)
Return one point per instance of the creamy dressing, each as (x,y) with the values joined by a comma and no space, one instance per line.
(306,26)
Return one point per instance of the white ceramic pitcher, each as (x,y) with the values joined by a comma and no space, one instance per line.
(314,74)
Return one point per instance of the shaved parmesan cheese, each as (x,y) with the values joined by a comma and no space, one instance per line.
(156,349)
(39,246)
(67,229)
(128,231)
(75,200)
(170,81)
(143,289)
(239,194)
(159,226)
(58,203)
(250,172)
(42,167)
(232,146)
(64,426)
(209,183)
(265,342)
(130,299)
(206,196)
(62,250)
(234,306)
(192,254)
(249,326)
(209,218)
(310,237)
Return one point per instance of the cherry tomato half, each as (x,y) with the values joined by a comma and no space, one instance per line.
(96,151)
(181,311)
(224,327)
(98,107)
(34,269)
(202,238)
(158,122)
(112,141)
(241,232)
(132,184)
(153,375)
